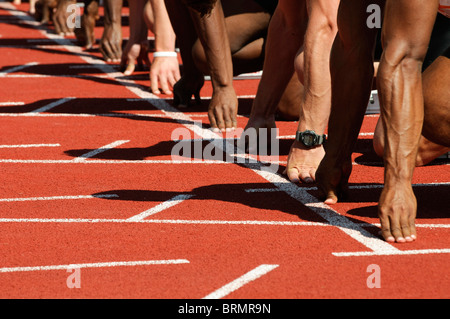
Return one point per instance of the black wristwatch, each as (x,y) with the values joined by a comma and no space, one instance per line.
(310,138)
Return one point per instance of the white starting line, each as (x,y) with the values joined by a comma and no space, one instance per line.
(16,68)
(160,207)
(95,265)
(65,197)
(30,145)
(102,149)
(52,105)
(369,186)
(241,281)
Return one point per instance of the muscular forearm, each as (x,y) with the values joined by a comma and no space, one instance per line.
(212,33)
(138,27)
(399,83)
(319,38)
(162,28)
(402,116)
(113,14)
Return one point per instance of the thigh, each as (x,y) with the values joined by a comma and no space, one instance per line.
(436,93)
(246,22)
(353,22)
(440,40)
(293,11)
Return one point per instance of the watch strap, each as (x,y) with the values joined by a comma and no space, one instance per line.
(320,138)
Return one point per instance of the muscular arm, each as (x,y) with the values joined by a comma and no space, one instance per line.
(111,41)
(212,33)
(136,49)
(315,110)
(406,34)
(164,70)
(192,79)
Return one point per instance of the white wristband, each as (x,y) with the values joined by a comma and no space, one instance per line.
(165,54)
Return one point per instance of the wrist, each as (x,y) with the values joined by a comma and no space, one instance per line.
(318,128)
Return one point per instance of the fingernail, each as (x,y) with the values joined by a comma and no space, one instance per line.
(215,130)
(308,180)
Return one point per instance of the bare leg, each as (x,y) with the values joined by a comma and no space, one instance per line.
(192,79)
(247,25)
(436,87)
(352,60)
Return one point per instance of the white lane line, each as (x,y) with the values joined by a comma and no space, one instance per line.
(124,115)
(160,207)
(394,253)
(11,103)
(162,221)
(25,199)
(76,76)
(371,186)
(17,68)
(30,161)
(262,190)
(241,281)
(52,105)
(95,265)
(99,150)
(194,222)
(29,145)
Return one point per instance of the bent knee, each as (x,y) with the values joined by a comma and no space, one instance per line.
(292,13)
(405,53)
(323,20)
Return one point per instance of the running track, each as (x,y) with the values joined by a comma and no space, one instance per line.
(88,183)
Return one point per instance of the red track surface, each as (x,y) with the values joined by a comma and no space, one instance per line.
(57,210)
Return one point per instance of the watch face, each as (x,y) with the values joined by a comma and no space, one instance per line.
(308,139)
